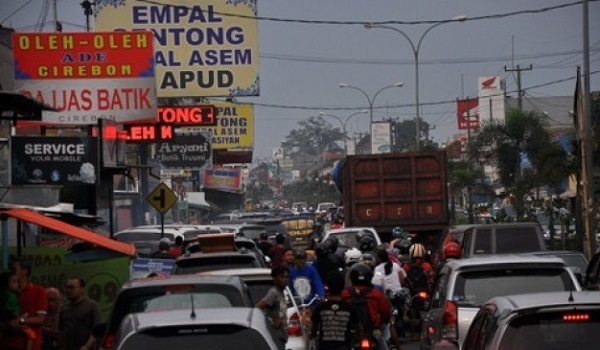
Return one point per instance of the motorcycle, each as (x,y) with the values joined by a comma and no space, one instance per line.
(419,304)
(401,303)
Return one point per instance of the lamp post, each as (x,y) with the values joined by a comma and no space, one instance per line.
(415,49)
(344,124)
(371,99)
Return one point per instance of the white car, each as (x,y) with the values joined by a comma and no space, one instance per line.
(348,237)
(259,281)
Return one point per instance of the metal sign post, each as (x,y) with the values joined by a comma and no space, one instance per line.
(162,198)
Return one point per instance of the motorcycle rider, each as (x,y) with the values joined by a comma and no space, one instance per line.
(420,277)
(379,307)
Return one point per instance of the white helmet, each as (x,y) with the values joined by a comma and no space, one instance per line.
(353,255)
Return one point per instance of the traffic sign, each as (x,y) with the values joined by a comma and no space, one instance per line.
(162,198)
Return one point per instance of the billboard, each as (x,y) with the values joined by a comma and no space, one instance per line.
(234,130)
(381,140)
(186,151)
(467,113)
(203,47)
(53,160)
(229,180)
(87,76)
(491,98)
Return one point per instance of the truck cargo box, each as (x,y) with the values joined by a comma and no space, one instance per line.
(396,189)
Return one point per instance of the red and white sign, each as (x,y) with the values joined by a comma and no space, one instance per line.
(87,76)
(467,113)
(229,180)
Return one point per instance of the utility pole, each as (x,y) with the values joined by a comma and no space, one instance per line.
(520,92)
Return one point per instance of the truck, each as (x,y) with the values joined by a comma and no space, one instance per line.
(396,189)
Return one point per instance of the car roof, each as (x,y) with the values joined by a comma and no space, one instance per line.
(505,224)
(497,259)
(173,280)
(520,302)
(244,274)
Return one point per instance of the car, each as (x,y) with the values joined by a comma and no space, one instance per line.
(216,328)
(259,281)
(463,285)
(219,251)
(572,258)
(247,230)
(150,294)
(549,321)
(298,207)
(348,237)
(454,234)
(325,207)
(519,237)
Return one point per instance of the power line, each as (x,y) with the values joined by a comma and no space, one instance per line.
(330,22)
(15,11)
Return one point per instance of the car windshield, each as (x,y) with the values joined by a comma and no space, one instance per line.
(192,266)
(222,337)
(258,289)
(553,330)
(142,236)
(475,288)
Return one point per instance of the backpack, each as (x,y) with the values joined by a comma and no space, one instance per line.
(417,279)
(359,302)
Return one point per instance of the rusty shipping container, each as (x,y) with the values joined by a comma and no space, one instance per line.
(396,189)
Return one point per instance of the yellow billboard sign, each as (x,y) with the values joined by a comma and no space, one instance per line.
(203,47)
(234,130)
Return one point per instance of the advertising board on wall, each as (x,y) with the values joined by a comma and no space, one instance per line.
(382,138)
(467,113)
(229,180)
(186,151)
(87,76)
(491,98)
(234,129)
(57,160)
(203,48)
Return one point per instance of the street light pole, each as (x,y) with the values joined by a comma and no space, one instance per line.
(371,99)
(344,124)
(415,50)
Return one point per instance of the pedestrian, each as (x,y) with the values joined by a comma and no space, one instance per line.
(305,281)
(263,243)
(50,328)
(288,257)
(78,317)
(334,321)
(13,335)
(276,251)
(32,300)
(274,305)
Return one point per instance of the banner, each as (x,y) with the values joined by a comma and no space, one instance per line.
(203,47)
(54,160)
(229,180)
(186,151)
(382,138)
(467,113)
(87,76)
(50,268)
(234,130)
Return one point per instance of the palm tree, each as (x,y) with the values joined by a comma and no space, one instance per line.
(464,175)
(506,144)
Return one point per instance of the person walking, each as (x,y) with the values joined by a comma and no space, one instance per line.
(50,330)
(78,317)
(32,300)
(276,251)
(13,335)
(274,305)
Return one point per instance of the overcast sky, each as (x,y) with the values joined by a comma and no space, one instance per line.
(302,64)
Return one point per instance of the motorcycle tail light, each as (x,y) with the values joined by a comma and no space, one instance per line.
(450,321)
(422,295)
(294,326)
(365,344)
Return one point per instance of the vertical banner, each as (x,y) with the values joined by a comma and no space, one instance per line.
(87,76)
(467,113)
(204,47)
(381,138)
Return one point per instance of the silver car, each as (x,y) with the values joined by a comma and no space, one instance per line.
(549,321)
(211,329)
(462,286)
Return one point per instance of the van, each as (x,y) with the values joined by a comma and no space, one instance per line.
(518,237)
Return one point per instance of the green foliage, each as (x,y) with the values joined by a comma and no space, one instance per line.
(405,135)
(260,193)
(312,192)
(314,136)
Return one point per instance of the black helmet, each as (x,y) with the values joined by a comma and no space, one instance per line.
(361,274)
(403,245)
(333,243)
(322,249)
(366,244)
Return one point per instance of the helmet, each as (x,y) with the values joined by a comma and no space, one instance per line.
(361,274)
(416,250)
(353,255)
(403,246)
(333,243)
(452,250)
(398,232)
(368,259)
(366,244)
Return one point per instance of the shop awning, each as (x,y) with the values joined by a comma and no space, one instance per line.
(197,200)
(70,230)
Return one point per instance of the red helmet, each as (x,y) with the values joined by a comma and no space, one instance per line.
(452,250)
